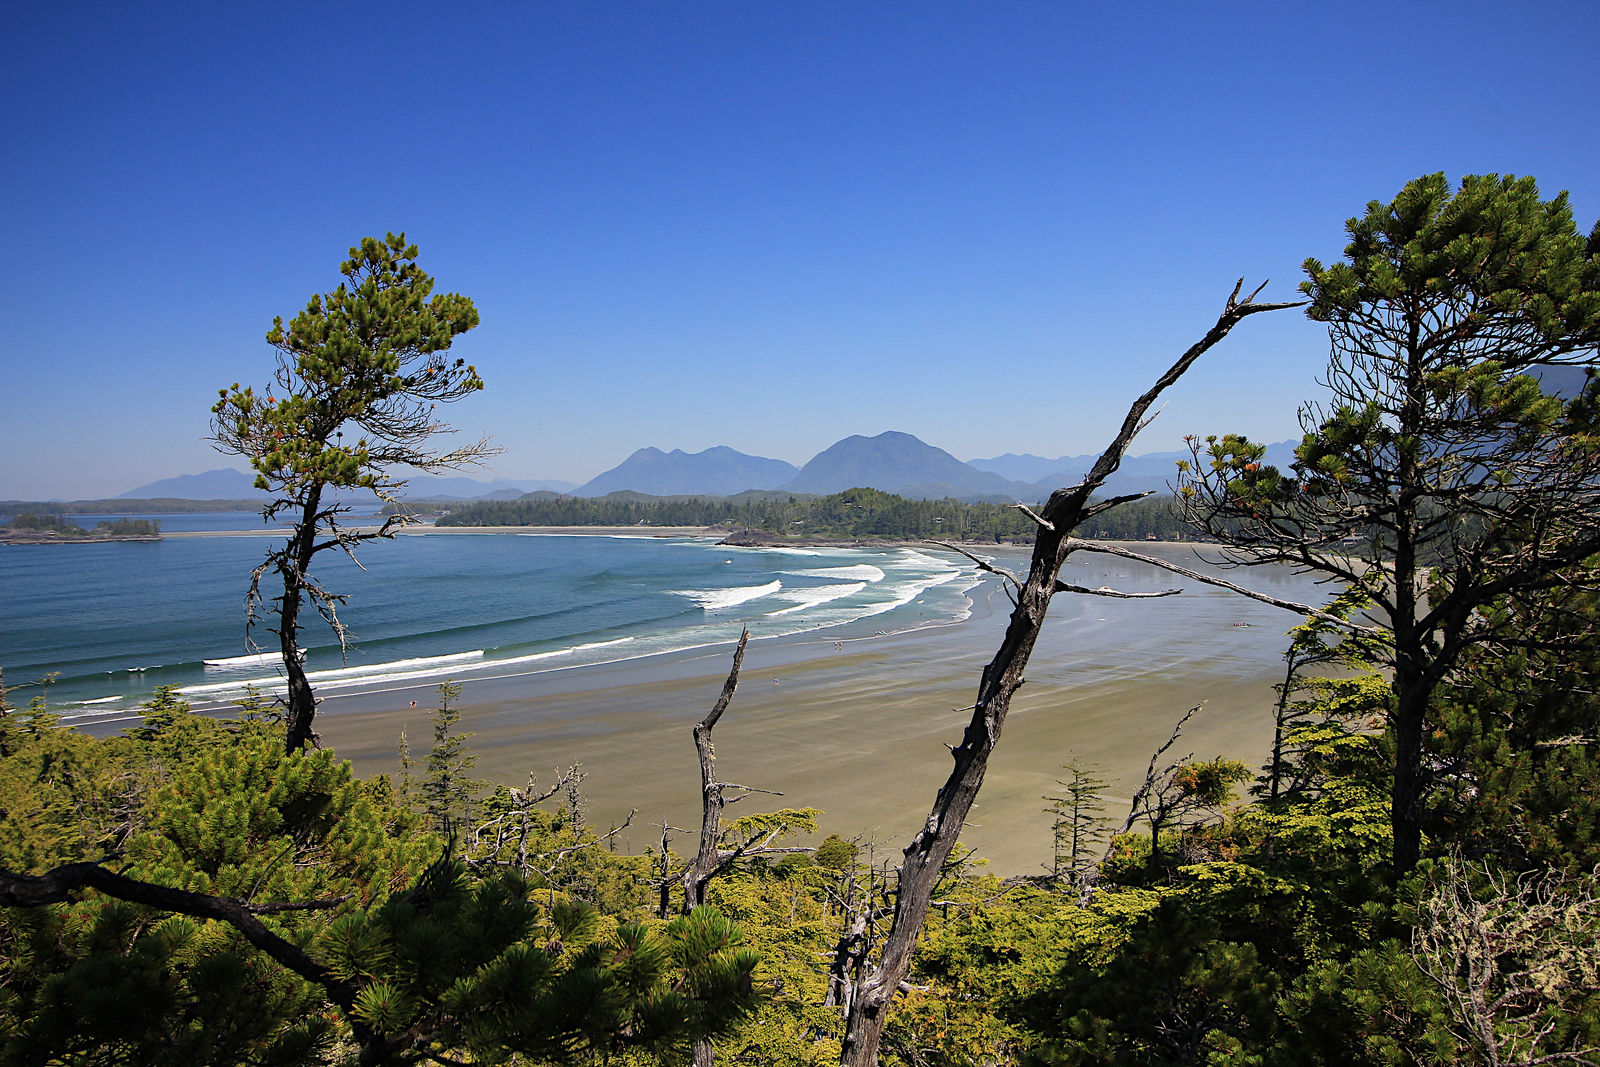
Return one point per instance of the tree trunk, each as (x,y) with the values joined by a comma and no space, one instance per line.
(925,856)
(302,702)
(1412,695)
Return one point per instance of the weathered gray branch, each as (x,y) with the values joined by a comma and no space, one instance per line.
(925,856)
(700,872)
(1066,587)
(1222,583)
(983,564)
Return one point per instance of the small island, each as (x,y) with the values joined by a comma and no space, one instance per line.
(31,528)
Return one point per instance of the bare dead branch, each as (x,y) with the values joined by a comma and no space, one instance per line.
(1277,602)
(983,564)
(704,866)
(1064,587)
(1106,505)
(868,994)
(1043,522)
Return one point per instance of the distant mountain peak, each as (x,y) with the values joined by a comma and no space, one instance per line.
(715,471)
(895,462)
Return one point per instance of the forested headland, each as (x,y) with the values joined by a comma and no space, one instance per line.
(1412,876)
(34,528)
(117,506)
(854,515)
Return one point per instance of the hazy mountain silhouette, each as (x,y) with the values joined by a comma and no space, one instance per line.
(718,471)
(895,463)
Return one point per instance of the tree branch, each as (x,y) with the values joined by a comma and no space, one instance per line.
(1277,602)
(60,885)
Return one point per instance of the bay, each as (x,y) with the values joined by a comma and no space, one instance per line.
(115,620)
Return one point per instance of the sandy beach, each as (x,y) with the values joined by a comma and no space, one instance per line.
(859,730)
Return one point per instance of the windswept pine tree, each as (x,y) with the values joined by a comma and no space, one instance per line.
(368,359)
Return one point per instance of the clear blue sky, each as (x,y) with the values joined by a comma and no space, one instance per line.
(765,225)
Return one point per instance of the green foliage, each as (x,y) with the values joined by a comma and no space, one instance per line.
(188,802)
(1078,827)
(1519,737)
(368,353)
(836,854)
(856,514)
(1491,252)
(448,790)
(1438,451)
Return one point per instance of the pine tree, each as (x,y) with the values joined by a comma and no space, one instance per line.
(1078,826)
(1438,452)
(448,790)
(368,357)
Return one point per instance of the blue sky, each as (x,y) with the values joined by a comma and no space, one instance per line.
(761,225)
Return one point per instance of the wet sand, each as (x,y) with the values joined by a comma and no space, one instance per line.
(860,731)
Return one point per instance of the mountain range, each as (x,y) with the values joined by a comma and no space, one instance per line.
(892,461)
(718,471)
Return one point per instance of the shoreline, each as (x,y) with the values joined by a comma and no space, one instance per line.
(859,727)
(859,732)
(68,539)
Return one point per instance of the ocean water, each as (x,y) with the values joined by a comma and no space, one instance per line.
(113,621)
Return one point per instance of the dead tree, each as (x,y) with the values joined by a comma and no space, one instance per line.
(926,854)
(720,847)
(705,865)
(715,854)
(1150,801)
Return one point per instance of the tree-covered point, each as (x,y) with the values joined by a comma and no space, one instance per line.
(150,506)
(856,514)
(60,526)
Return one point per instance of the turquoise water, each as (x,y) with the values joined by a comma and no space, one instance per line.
(116,620)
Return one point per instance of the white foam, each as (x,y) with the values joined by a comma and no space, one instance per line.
(99,700)
(905,593)
(817,596)
(367,670)
(535,657)
(720,599)
(861,572)
(260,659)
(419,667)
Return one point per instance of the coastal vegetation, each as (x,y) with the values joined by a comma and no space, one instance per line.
(32,526)
(856,515)
(116,505)
(1416,881)
(1437,444)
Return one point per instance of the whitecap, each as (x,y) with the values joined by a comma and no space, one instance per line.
(719,599)
(816,596)
(861,572)
(259,659)
(419,667)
